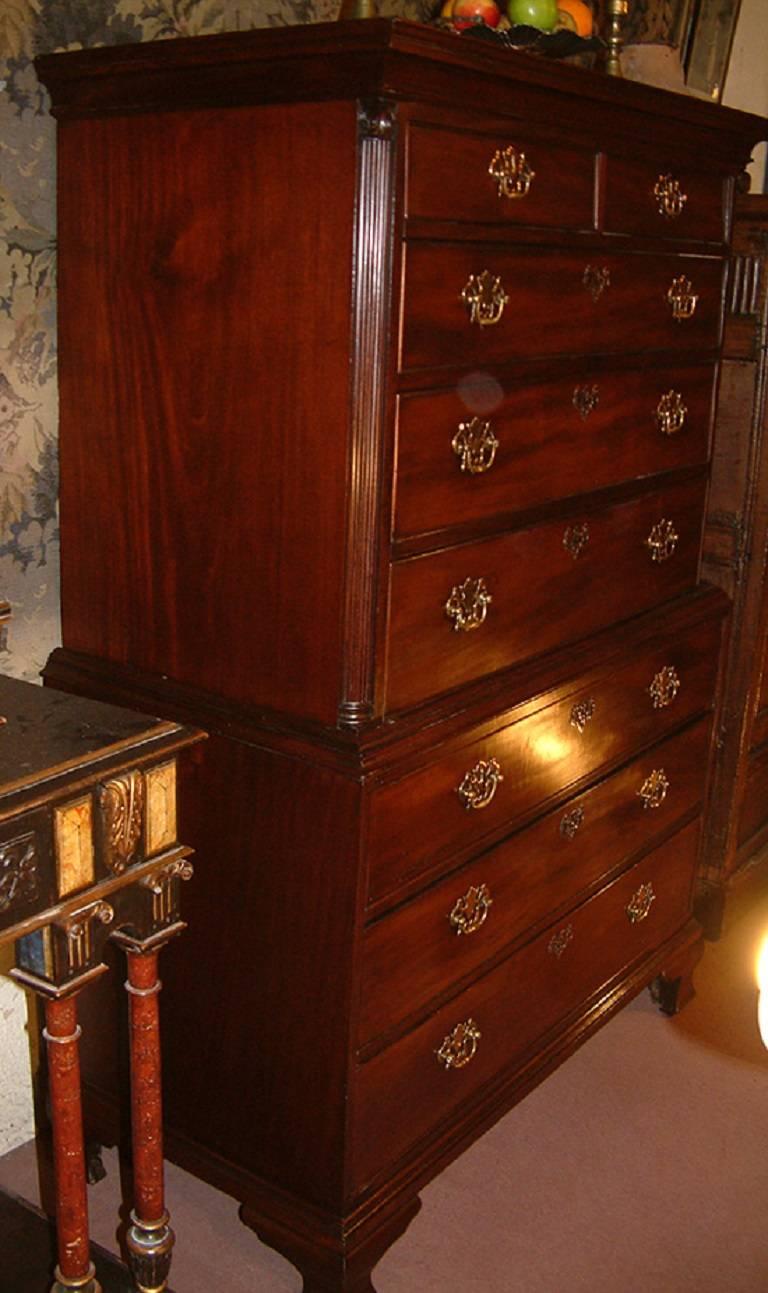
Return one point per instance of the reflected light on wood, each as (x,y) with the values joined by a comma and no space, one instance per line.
(762,983)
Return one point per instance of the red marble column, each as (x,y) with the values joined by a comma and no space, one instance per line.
(62,1033)
(150,1238)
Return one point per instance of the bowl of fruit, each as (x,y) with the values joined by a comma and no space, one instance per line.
(558,28)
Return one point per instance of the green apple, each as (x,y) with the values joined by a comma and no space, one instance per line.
(534,13)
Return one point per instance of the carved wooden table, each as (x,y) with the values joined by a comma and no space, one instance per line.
(88,851)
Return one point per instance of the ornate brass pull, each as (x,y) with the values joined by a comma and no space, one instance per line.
(586,400)
(670,198)
(664,687)
(485,298)
(560,941)
(639,904)
(662,541)
(582,713)
(571,822)
(654,789)
(596,280)
(471,911)
(479,785)
(575,539)
(468,605)
(511,172)
(682,298)
(475,446)
(460,1046)
(670,413)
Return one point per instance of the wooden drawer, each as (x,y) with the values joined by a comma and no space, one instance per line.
(539,183)
(551,307)
(493,445)
(424,947)
(689,203)
(545,589)
(405,1092)
(417,823)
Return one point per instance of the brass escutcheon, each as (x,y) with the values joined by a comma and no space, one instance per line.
(559,941)
(654,789)
(571,821)
(664,687)
(485,298)
(682,298)
(459,1046)
(662,541)
(479,785)
(639,904)
(511,172)
(475,446)
(596,279)
(670,198)
(582,713)
(575,539)
(471,911)
(586,400)
(468,605)
(670,413)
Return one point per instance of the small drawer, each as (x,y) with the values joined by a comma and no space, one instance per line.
(472,305)
(470,610)
(418,951)
(654,200)
(490,446)
(419,822)
(504,178)
(406,1091)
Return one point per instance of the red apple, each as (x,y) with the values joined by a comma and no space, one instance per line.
(467,12)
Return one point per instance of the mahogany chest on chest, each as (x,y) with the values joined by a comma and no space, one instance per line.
(388,364)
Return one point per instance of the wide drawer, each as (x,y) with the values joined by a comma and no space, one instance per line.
(406,1091)
(552,302)
(418,822)
(493,445)
(470,610)
(424,947)
(646,198)
(485,177)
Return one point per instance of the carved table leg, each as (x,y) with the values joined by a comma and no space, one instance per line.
(75,1269)
(150,1238)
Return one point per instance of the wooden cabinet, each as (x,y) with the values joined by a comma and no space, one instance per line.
(388,364)
(735,555)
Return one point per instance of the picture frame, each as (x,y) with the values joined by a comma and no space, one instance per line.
(707,49)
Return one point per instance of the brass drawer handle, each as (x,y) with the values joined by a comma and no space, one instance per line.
(582,713)
(479,785)
(575,539)
(485,298)
(596,279)
(670,198)
(639,904)
(682,298)
(471,911)
(662,541)
(560,941)
(571,822)
(670,413)
(664,687)
(475,446)
(586,400)
(511,172)
(460,1046)
(654,789)
(468,605)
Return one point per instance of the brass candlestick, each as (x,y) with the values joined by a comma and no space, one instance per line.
(357,9)
(617,12)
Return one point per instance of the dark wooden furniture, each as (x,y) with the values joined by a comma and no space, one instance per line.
(89,851)
(735,552)
(420,338)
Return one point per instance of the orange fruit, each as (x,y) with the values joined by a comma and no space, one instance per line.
(576,16)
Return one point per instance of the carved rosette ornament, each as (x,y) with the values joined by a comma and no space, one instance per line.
(122,808)
(18,872)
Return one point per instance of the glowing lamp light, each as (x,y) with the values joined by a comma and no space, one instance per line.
(762,984)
